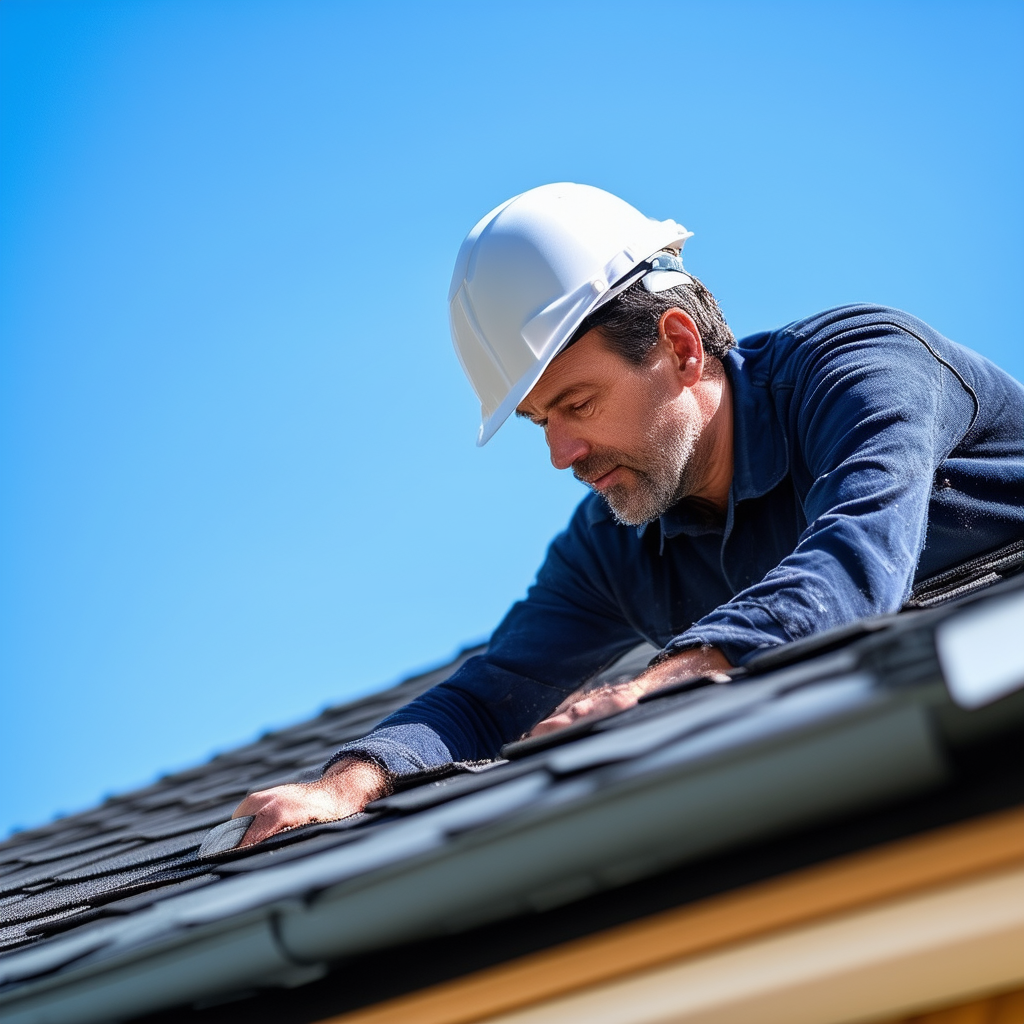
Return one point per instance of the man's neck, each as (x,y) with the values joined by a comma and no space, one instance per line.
(718,437)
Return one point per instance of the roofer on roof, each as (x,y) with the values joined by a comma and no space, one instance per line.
(744,495)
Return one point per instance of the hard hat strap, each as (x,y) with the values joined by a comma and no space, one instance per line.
(659,273)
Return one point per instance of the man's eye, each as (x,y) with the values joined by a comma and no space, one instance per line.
(582,407)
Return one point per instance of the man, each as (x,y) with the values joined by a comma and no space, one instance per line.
(744,495)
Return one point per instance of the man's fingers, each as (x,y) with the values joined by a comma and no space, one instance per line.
(263,827)
(276,809)
(252,804)
(269,817)
(596,705)
(573,713)
(552,724)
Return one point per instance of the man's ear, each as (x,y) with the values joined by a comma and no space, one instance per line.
(676,327)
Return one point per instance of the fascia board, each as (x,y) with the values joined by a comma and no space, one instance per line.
(641,824)
(903,957)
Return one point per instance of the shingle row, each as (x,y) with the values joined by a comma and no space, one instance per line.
(140,847)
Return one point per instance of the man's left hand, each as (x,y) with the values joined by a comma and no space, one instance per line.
(702,661)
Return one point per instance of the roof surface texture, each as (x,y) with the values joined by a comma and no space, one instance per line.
(134,907)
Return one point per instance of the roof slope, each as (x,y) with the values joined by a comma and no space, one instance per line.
(142,845)
(112,913)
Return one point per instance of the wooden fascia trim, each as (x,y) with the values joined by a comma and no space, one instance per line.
(925,861)
(1005,1008)
(924,949)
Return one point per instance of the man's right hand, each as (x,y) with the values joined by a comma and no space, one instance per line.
(345,788)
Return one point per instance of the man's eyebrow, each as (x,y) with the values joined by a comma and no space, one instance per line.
(560,397)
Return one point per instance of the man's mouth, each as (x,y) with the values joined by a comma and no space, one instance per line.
(602,482)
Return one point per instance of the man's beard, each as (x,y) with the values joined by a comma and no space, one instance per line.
(661,473)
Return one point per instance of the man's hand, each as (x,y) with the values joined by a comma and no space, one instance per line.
(703,661)
(346,788)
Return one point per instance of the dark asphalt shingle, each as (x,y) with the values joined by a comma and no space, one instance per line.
(147,853)
(137,845)
(47,871)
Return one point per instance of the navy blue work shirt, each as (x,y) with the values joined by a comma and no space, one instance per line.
(869,451)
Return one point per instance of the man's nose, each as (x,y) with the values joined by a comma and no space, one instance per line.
(565,447)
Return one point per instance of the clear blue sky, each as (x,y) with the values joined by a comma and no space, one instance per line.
(238,472)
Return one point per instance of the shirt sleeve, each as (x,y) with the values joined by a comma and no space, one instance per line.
(568,629)
(874,410)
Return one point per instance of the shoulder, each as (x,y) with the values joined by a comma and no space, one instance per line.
(856,317)
(860,319)
(863,333)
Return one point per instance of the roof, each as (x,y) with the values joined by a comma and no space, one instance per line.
(143,844)
(121,910)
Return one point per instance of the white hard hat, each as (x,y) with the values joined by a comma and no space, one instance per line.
(531,272)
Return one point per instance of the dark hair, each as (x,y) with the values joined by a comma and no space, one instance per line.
(629,322)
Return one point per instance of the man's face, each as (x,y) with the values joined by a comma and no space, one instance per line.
(629,432)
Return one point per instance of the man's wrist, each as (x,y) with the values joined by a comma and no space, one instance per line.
(676,666)
(360,773)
